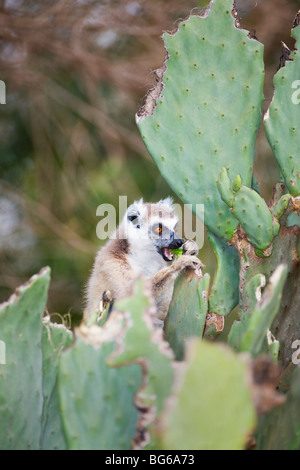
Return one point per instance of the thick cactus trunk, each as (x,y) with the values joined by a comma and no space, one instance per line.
(255,272)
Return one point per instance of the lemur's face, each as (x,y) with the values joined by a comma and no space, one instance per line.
(164,238)
(154,224)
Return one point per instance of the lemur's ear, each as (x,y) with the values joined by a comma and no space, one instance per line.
(133,215)
(167,201)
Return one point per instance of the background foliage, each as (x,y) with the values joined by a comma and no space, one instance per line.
(76,72)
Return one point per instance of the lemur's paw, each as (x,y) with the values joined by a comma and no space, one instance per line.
(190,248)
(192,263)
(107,297)
(105,301)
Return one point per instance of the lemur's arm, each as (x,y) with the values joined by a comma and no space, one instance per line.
(160,279)
(163,281)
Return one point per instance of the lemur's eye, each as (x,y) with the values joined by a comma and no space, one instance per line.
(159,229)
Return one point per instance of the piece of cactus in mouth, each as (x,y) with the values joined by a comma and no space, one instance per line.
(177,252)
(206,111)
(282,120)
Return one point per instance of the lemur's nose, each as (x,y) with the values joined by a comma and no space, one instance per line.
(178,242)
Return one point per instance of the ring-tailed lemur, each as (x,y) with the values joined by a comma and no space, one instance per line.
(141,246)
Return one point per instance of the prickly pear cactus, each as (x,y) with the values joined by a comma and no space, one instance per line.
(124,383)
(280,429)
(249,209)
(21,399)
(283,135)
(206,99)
(108,388)
(187,312)
(145,346)
(224,293)
(250,333)
(199,124)
(204,147)
(97,401)
(56,337)
(29,408)
(191,423)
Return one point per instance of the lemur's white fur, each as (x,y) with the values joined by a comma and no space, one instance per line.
(136,249)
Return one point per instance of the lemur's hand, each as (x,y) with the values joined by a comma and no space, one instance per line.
(190,262)
(190,248)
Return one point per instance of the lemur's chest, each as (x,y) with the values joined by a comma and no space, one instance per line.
(147,262)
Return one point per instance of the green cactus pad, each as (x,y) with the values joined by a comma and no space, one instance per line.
(282,120)
(225,188)
(280,429)
(237,183)
(21,383)
(250,210)
(255,184)
(281,206)
(249,334)
(208,111)
(254,216)
(97,401)
(272,346)
(253,289)
(224,295)
(56,337)
(213,409)
(146,346)
(293,219)
(187,312)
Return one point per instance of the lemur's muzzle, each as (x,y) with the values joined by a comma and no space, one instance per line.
(174,243)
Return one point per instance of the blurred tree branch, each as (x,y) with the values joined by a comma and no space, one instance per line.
(40,211)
